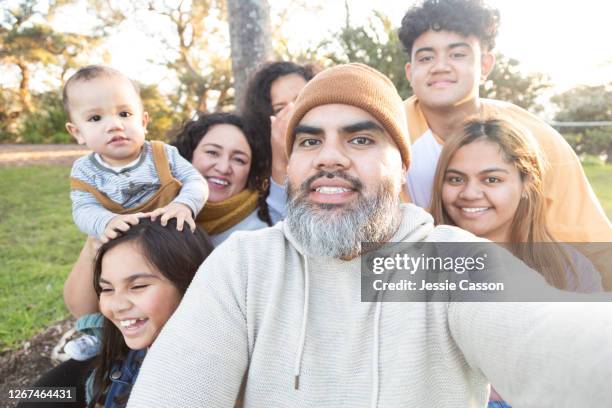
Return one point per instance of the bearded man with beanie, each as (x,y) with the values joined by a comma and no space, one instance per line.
(279,310)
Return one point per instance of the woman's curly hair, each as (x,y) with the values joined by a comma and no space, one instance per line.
(465,17)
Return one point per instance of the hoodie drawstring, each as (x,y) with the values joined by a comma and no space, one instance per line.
(375,352)
(376,346)
(297,367)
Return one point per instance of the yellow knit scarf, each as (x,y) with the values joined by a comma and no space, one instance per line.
(218,217)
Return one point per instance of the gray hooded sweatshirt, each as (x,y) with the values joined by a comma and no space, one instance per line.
(295,328)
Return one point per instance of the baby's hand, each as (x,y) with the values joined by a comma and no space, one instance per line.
(181,212)
(121,223)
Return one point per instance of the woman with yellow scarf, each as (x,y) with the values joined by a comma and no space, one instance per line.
(231,162)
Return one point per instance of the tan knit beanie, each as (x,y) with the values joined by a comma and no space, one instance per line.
(356,85)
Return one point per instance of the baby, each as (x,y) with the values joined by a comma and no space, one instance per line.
(125,176)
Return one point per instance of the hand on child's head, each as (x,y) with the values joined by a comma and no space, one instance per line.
(95,243)
(118,224)
(181,212)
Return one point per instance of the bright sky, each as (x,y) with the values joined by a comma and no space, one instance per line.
(567,40)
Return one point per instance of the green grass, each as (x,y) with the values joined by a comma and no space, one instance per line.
(600,176)
(39,243)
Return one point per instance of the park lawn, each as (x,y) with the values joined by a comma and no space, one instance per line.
(38,246)
(600,176)
(39,243)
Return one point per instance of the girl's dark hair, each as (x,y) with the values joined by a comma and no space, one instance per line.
(177,255)
(189,137)
(465,17)
(257,107)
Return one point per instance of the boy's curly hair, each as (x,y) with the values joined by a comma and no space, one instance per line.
(465,17)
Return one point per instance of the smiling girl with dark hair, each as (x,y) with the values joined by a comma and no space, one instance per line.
(140,279)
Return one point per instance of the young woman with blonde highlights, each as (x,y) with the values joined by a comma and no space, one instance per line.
(489,182)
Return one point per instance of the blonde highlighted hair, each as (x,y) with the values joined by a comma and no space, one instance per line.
(529,225)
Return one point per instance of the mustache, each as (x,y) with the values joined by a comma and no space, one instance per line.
(356,184)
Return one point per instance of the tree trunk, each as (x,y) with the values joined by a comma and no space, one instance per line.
(24,87)
(221,100)
(250,36)
(202,102)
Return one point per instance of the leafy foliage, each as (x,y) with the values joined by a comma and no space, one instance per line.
(29,45)
(46,123)
(204,75)
(587,104)
(508,83)
(161,117)
(190,34)
(375,44)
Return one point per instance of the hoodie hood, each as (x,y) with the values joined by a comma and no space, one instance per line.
(414,226)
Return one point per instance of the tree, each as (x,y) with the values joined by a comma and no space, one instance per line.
(29,45)
(189,49)
(587,104)
(249,24)
(45,124)
(584,103)
(8,115)
(375,44)
(508,83)
(162,118)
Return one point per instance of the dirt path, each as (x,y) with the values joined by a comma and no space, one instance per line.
(23,155)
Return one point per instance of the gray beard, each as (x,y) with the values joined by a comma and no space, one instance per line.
(337,231)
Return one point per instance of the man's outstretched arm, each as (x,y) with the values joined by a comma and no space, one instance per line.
(539,354)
